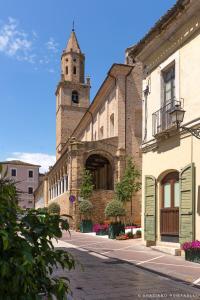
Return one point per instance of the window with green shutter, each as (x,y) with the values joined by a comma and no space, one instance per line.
(150,209)
(187,204)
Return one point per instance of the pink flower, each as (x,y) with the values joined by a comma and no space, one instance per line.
(191,245)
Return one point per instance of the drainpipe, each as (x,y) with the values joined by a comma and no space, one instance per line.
(125,103)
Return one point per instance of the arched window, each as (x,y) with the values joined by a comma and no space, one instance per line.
(74,70)
(75,98)
(66,70)
(112,125)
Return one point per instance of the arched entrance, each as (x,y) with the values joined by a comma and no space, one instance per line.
(169,211)
(101,170)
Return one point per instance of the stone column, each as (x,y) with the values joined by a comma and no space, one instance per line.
(59,192)
(61,185)
(45,192)
(65,186)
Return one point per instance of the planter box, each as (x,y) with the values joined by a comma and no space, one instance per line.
(86,226)
(115,229)
(193,255)
(102,232)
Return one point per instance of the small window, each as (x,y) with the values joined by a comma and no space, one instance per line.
(67,60)
(75,97)
(74,70)
(30,190)
(13,172)
(169,84)
(101,132)
(66,70)
(30,174)
(74,59)
(112,125)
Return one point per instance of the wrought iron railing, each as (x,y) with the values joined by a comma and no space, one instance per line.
(161,119)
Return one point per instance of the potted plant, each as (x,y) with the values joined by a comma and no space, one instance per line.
(85,206)
(192,251)
(100,229)
(115,210)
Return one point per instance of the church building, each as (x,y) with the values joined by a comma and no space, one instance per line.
(97,135)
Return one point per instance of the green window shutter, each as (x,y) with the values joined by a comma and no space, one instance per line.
(187,204)
(150,209)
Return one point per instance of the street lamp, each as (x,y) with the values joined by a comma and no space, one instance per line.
(177,116)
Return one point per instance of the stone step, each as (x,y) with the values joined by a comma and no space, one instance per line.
(168,250)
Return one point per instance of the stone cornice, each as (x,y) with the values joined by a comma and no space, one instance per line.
(161,25)
(64,84)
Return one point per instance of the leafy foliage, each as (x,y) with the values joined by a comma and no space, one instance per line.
(114,209)
(27,255)
(86,185)
(85,207)
(54,208)
(129,184)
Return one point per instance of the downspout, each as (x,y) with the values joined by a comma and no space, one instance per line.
(125,109)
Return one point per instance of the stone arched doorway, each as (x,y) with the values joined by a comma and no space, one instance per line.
(101,170)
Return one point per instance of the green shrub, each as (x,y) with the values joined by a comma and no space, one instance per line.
(54,208)
(85,208)
(27,255)
(115,209)
(86,185)
(138,233)
(130,235)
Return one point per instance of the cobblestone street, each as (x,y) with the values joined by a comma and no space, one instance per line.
(106,271)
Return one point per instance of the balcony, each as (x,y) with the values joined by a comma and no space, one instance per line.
(161,119)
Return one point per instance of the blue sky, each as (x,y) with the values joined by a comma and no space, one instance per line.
(33,34)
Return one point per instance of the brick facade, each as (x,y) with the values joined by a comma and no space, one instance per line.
(110,129)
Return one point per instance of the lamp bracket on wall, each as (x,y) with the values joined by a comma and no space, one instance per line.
(194,131)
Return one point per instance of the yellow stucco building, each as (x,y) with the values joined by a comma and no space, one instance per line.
(170,54)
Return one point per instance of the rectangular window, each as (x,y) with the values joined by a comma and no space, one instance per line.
(167,195)
(176,194)
(30,174)
(169,84)
(13,172)
(30,190)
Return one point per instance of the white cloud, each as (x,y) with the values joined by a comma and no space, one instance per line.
(42,159)
(15,42)
(52,45)
(26,46)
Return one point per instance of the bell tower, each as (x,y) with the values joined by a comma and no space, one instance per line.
(72,93)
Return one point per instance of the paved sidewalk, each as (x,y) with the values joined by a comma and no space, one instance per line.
(134,252)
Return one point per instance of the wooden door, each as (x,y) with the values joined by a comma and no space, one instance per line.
(169,212)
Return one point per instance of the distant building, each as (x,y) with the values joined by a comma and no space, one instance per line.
(26,177)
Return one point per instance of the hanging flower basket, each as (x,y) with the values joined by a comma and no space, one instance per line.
(192,251)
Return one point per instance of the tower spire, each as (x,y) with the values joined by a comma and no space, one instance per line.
(73,26)
(72,44)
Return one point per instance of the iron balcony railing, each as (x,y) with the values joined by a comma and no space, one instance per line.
(161,119)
